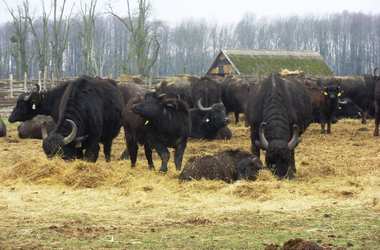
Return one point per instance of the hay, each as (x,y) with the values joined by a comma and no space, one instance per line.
(340,169)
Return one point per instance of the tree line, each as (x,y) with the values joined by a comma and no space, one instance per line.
(101,43)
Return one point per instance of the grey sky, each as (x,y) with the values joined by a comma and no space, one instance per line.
(174,11)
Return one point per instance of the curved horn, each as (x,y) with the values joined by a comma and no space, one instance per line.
(73,133)
(44,133)
(293,142)
(262,138)
(343,102)
(26,98)
(374,72)
(161,95)
(38,87)
(202,108)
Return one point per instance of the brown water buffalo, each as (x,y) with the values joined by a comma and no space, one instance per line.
(157,122)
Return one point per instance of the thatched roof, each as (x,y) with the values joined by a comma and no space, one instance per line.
(250,63)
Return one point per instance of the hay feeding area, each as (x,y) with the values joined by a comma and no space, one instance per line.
(339,170)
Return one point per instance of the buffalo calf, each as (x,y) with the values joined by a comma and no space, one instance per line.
(221,166)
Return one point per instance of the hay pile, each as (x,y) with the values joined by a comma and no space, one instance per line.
(340,169)
(125,78)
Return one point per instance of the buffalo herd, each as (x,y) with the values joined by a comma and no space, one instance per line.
(77,115)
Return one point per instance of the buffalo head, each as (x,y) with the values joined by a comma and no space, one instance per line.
(278,151)
(26,105)
(57,144)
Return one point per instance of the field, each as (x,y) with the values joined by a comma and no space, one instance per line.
(333,201)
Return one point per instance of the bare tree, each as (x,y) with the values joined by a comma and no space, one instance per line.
(59,40)
(21,26)
(144,43)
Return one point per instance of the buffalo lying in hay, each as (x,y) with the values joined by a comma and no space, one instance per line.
(228,165)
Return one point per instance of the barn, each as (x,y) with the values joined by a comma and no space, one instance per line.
(259,63)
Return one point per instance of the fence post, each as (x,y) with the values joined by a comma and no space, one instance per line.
(39,79)
(64,75)
(11,85)
(151,78)
(25,76)
(52,77)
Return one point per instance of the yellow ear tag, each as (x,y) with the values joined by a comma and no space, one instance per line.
(78,145)
(339,94)
(146,122)
(326,93)
(33,106)
(207,120)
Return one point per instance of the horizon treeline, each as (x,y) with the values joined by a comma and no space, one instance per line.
(100,45)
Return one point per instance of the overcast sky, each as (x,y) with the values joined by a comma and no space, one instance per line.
(222,11)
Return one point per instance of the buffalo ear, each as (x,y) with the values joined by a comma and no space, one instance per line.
(171,104)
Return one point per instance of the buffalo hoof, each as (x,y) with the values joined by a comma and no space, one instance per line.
(163,171)
(151,167)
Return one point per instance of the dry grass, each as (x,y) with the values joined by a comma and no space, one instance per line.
(341,169)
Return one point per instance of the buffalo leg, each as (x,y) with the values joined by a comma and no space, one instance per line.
(322,127)
(364,117)
(148,155)
(179,155)
(92,152)
(237,117)
(377,120)
(329,127)
(292,165)
(124,155)
(133,149)
(107,150)
(164,153)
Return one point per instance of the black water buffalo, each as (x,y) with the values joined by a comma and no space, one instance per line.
(347,109)
(38,103)
(377,102)
(157,122)
(179,86)
(207,90)
(130,90)
(359,88)
(278,111)
(3,128)
(234,94)
(89,113)
(206,123)
(222,166)
(325,102)
(32,128)
(191,89)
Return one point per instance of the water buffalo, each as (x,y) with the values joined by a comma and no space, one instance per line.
(130,90)
(278,111)
(179,86)
(38,103)
(325,102)
(359,88)
(32,128)
(3,128)
(347,109)
(89,113)
(207,122)
(222,166)
(377,102)
(157,122)
(234,94)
